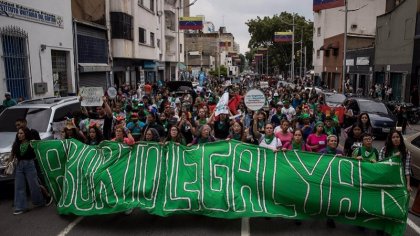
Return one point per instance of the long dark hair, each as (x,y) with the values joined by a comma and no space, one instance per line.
(179,137)
(99,135)
(368,124)
(389,146)
(16,144)
(358,125)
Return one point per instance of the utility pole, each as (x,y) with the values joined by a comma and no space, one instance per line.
(301,51)
(292,63)
(345,47)
(304,68)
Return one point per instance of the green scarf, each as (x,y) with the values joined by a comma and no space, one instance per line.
(23,148)
(330,150)
(296,146)
(236,137)
(368,155)
(267,139)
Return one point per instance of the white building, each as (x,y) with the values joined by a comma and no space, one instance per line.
(330,22)
(145,40)
(36,48)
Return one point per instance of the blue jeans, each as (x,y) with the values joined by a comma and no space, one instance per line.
(26,173)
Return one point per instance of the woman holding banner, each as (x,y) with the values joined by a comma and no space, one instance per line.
(394,146)
(297,142)
(268,139)
(25,173)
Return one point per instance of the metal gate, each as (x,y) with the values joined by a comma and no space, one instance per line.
(15,53)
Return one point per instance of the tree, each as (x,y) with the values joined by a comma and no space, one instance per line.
(215,73)
(262,33)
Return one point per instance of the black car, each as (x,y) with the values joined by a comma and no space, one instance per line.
(381,118)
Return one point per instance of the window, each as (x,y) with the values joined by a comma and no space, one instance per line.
(327,53)
(121,26)
(142,35)
(152,5)
(158,43)
(180,48)
(318,31)
(318,53)
(335,51)
(152,39)
(416,142)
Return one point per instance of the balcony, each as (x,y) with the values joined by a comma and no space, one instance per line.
(169,33)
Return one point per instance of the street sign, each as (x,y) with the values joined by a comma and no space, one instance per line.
(254,99)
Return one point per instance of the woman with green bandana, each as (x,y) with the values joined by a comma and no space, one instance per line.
(25,173)
(268,139)
(366,152)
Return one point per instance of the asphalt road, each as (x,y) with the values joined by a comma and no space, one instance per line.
(46,221)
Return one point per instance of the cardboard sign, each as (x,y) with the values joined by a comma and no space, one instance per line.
(92,96)
(254,99)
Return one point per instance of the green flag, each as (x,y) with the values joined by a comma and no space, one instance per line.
(225,180)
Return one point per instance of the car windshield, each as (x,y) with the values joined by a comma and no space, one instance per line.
(335,98)
(373,107)
(37,118)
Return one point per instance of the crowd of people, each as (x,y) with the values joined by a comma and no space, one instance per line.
(293,118)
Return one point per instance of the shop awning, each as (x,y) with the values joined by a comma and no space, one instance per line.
(322,48)
(333,45)
(181,66)
(94,67)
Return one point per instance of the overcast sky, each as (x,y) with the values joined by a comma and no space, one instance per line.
(234,13)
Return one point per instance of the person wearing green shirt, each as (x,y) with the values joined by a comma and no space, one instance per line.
(366,152)
(9,101)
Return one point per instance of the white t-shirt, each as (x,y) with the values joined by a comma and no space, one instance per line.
(289,112)
(274,145)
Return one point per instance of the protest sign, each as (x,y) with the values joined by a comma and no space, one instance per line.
(254,99)
(227,179)
(112,92)
(222,105)
(92,96)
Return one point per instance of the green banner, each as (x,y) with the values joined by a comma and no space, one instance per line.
(225,180)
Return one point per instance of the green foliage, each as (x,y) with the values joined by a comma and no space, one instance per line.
(215,73)
(262,33)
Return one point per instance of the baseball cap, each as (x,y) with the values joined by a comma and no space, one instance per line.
(7,94)
(280,103)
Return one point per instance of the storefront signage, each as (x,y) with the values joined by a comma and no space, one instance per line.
(362,61)
(349,62)
(18,11)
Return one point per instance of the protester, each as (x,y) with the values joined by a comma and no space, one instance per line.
(332,144)
(204,136)
(95,135)
(175,136)
(151,135)
(354,139)
(237,132)
(123,137)
(297,143)
(365,121)
(25,173)
(366,152)
(318,139)
(283,133)
(267,139)
(8,101)
(395,147)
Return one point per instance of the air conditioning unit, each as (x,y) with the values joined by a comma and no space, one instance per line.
(353,26)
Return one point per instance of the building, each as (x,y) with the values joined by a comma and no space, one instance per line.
(36,49)
(328,38)
(397,48)
(91,43)
(206,51)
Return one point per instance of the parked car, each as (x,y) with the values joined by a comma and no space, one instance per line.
(40,114)
(381,118)
(413,145)
(334,99)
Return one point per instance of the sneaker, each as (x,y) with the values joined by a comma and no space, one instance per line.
(18,212)
(49,201)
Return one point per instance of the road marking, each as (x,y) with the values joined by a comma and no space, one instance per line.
(245,226)
(69,227)
(413,226)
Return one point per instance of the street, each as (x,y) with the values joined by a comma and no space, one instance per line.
(46,221)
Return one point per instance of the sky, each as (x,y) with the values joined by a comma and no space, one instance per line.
(234,13)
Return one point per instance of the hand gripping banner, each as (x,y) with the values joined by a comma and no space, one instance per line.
(226,179)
